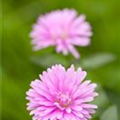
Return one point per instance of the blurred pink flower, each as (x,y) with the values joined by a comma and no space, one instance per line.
(61,95)
(63,29)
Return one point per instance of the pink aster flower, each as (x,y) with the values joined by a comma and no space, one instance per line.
(63,29)
(61,94)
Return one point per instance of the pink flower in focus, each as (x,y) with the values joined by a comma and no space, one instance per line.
(63,29)
(61,94)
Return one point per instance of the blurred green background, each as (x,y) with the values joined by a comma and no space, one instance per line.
(20,65)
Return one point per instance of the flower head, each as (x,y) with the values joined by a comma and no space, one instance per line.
(63,29)
(61,94)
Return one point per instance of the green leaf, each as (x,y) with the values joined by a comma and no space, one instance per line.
(110,114)
(49,60)
(14,103)
(97,60)
(102,100)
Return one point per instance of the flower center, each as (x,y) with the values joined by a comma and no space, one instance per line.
(64,35)
(63,100)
